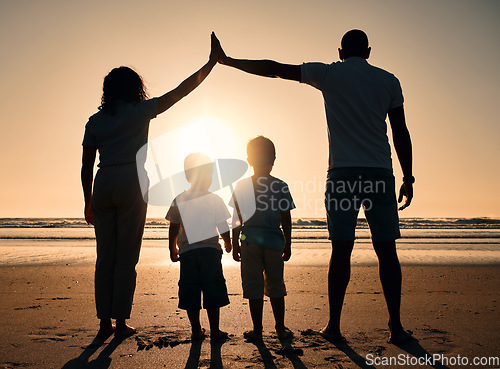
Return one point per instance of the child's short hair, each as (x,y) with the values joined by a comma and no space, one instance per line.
(198,167)
(261,151)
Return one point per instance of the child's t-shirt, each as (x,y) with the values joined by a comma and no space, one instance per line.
(260,202)
(199,215)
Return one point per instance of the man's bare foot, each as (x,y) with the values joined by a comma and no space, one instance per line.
(219,335)
(253,335)
(284,333)
(198,334)
(400,337)
(124,331)
(332,335)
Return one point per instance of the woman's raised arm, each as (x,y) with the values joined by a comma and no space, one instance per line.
(190,83)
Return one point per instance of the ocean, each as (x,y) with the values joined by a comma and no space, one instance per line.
(431,240)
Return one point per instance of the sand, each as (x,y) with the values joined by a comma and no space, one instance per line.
(48,319)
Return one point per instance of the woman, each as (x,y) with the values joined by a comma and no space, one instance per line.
(116,207)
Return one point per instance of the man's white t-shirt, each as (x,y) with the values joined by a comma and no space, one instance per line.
(357,98)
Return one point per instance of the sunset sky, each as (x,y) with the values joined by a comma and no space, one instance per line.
(54,55)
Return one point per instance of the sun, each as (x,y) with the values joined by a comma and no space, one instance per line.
(206,135)
(209,136)
(165,154)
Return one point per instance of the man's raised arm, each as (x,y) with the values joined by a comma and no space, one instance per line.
(264,68)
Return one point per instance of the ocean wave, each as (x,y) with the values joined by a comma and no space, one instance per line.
(43,223)
(310,222)
(300,223)
(450,223)
(468,238)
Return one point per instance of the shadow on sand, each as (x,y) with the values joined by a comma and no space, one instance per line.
(413,348)
(287,350)
(193,361)
(102,361)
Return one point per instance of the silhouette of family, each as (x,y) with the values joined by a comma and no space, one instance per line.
(358,97)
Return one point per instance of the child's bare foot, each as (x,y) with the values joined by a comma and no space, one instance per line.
(253,335)
(284,333)
(124,331)
(332,335)
(197,335)
(219,335)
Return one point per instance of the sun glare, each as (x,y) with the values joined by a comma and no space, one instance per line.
(166,154)
(208,136)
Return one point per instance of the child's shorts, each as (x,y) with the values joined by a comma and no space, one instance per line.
(201,271)
(261,272)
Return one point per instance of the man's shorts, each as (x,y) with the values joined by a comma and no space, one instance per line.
(201,271)
(261,271)
(373,189)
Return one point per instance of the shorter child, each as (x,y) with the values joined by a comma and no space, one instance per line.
(197,217)
(261,204)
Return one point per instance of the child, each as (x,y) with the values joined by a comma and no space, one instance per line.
(197,217)
(261,203)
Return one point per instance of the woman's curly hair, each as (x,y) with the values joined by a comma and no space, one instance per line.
(122,84)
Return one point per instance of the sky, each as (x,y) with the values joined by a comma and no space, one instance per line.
(55,54)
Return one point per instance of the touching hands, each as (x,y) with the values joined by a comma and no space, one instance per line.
(406,190)
(222,57)
(214,49)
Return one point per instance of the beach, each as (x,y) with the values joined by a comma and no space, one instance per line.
(449,301)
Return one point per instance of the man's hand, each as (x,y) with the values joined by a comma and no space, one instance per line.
(406,190)
(220,52)
(287,252)
(215,49)
(236,252)
(174,254)
(89,216)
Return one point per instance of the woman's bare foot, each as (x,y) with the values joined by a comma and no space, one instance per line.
(253,335)
(106,328)
(197,335)
(218,335)
(105,332)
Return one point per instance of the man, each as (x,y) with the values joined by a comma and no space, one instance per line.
(358,98)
